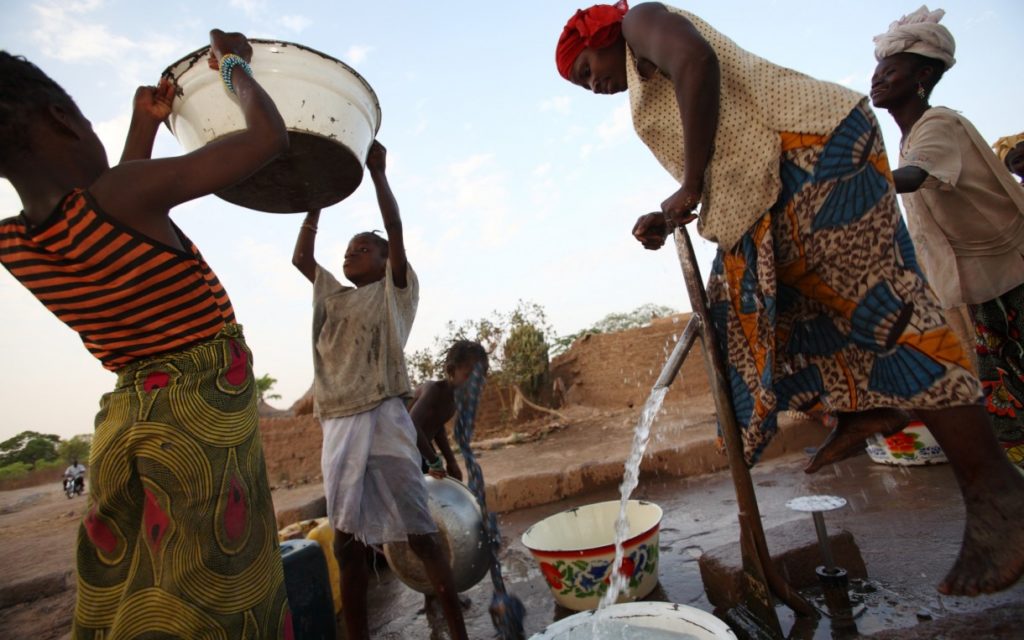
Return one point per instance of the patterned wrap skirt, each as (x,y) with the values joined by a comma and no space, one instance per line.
(999,327)
(180,538)
(821,306)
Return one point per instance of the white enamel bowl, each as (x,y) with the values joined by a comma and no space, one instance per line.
(575,550)
(463,542)
(331,112)
(640,621)
(913,446)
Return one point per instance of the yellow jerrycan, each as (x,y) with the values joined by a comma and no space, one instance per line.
(323,533)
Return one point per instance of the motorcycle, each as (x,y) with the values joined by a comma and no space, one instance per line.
(72,487)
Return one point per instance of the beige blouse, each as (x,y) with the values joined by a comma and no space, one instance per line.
(759,100)
(967,219)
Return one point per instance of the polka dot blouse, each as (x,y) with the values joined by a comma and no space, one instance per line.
(759,100)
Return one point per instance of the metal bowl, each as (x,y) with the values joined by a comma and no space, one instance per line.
(331,113)
(463,541)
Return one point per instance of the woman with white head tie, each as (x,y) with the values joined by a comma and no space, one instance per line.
(966,218)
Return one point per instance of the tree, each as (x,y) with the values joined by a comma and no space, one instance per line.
(422,365)
(264,384)
(525,352)
(29,447)
(516,342)
(75,448)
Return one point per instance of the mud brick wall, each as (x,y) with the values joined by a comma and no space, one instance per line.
(292,444)
(496,413)
(291,447)
(617,370)
(495,407)
(613,371)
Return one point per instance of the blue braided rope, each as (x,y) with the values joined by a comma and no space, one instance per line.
(507,611)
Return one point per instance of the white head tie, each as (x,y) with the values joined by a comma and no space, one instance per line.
(920,33)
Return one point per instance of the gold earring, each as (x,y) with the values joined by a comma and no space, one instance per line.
(921,93)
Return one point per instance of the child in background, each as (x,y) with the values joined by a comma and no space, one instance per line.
(433,405)
(180,537)
(375,490)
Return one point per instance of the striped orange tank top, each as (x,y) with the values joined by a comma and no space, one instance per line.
(128,296)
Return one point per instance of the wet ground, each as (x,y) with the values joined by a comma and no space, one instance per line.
(906,522)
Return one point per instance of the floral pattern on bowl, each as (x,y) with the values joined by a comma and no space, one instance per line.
(913,446)
(575,550)
(585,580)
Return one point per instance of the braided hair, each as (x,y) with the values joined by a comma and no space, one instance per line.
(24,91)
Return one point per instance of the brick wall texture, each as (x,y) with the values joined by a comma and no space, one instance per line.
(613,371)
(617,370)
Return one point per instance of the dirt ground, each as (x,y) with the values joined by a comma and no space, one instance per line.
(542,467)
(39,526)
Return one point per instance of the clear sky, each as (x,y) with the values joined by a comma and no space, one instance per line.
(513,183)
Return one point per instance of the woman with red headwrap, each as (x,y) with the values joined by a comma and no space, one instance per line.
(815,294)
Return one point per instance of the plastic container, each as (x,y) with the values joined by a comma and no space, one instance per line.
(309,594)
(323,534)
(297,530)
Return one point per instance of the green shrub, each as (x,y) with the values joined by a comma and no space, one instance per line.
(75,448)
(41,465)
(29,446)
(515,341)
(14,470)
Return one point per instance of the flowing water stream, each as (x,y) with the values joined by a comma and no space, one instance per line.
(641,436)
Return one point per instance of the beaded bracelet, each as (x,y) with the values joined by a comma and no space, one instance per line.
(229,62)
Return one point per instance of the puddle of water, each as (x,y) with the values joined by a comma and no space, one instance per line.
(876,608)
(697,519)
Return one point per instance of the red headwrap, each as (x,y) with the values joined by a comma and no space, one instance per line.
(597,27)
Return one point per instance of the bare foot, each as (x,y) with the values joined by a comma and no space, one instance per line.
(852,430)
(992,552)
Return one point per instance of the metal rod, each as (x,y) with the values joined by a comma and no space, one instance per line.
(749,515)
(826,548)
(679,353)
(835,588)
